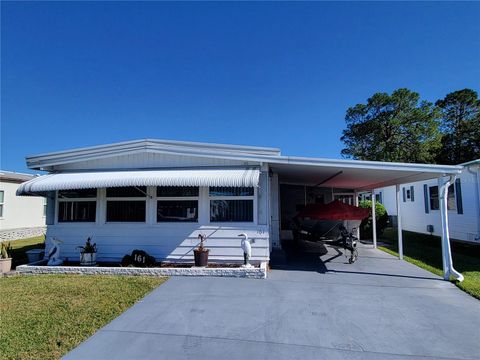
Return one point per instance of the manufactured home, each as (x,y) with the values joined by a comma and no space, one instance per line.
(20,217)
(159,195)
(420,206)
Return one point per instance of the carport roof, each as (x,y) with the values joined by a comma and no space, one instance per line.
(355,174)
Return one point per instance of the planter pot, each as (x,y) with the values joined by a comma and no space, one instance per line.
(88,259)
(5,265)
(201,257)
(35,255)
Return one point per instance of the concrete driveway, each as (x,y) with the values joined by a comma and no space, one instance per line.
(377,308)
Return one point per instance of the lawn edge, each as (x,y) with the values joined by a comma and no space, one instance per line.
(429,268)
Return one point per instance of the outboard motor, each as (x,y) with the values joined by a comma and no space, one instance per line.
(349,242)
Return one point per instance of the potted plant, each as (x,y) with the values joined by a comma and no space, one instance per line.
(88,253)
(5,259)
(201,252)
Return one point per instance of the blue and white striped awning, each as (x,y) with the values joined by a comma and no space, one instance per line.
(245,177)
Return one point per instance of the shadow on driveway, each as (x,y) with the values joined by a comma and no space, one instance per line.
(377,308)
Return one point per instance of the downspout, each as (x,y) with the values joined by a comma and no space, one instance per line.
(477,188)
(447,261)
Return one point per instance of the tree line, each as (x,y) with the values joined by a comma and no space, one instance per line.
(401,127)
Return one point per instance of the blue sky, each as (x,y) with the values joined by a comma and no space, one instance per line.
(266,74)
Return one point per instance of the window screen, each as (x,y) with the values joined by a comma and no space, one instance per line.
(120,209)
(126,211)
(177,211)
(77,211)
(76,205)
(231,210)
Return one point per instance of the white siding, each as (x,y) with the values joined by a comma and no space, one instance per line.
(20,211)
(388,199)
(166,241)
(462,226)
(263,198)
(163,241)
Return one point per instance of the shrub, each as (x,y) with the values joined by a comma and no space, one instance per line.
(381,216)
(5,250)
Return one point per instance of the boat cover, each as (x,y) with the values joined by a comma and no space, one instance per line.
(336,210)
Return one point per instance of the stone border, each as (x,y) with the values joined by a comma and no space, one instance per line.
(250,273)
(22,233)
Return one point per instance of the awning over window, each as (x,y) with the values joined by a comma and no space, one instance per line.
(186,177)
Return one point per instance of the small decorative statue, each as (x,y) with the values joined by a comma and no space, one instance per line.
(54,253)
(247,249)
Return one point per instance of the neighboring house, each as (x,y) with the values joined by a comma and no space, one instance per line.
(420,205)
(20,216)
(159,195)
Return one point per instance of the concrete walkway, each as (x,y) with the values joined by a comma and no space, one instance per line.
(377,308)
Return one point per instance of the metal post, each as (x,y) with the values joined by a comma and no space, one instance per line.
(374,220)
(355,202)
(447,261)
(399,222)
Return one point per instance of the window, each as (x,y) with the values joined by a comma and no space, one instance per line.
(2,198)
(345,198)
(408,194)
(434,204)
(77,205)
(127,192)
(177,204)
(451,203)
(177,191)
(127,204)
(231,191)
(434,198)
(231,204)
(77,194)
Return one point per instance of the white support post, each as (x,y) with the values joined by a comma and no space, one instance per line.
(448,270)
(399,224)
(374,220)
(355,202)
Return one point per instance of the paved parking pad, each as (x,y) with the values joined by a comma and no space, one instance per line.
(378,308)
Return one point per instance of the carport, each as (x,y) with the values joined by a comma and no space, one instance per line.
(323,180)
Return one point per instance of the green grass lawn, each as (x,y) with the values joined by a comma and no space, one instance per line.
(19,247)
(45,316)
(425,251)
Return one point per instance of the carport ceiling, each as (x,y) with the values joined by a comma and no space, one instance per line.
(358,175)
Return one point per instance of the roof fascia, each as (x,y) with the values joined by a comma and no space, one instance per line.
(42,164)
(372,165)
(227,147)
(170,147)
(470,163)
(189,144)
